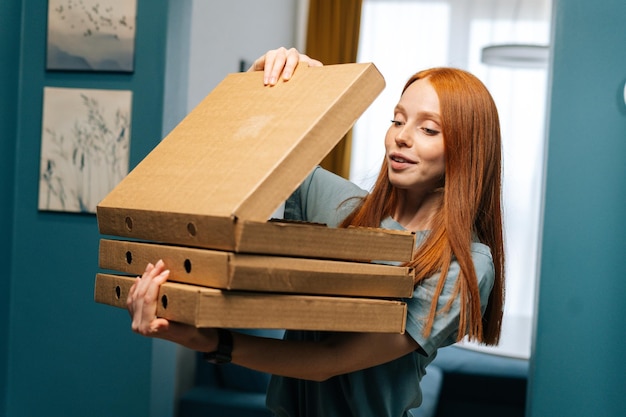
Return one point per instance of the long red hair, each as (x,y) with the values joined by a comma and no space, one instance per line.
(471,205)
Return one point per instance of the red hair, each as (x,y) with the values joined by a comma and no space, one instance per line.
(471,204)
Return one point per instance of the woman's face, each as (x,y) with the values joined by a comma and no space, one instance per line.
(414,141)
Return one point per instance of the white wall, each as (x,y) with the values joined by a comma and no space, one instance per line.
(225,32)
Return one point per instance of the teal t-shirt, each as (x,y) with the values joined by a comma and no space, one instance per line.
(390,389)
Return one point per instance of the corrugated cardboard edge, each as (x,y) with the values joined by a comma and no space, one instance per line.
(112,290)
(276,274)
(175,228)
(204,307)
(321,277)
(302,240)
(203,267)
(300,312)
(269,238)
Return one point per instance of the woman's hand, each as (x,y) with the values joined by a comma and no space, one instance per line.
(281,62)
(142,301)
(142,305)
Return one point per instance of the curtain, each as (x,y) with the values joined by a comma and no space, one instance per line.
(333,38)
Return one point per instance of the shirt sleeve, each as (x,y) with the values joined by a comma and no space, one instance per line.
(446,323)
(323,197)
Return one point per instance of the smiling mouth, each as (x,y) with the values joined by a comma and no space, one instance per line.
(399,159)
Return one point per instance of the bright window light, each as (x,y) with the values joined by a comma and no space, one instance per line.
(403,37)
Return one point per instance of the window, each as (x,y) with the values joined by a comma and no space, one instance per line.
(404,36)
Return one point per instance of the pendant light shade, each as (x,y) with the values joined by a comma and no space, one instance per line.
(516,55)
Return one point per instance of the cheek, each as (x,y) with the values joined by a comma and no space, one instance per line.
(436,157)
(388,140)
(442,166)
(434,152)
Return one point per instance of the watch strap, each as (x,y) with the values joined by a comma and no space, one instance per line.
(224,351)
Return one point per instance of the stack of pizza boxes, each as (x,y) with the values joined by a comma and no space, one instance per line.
(202,201)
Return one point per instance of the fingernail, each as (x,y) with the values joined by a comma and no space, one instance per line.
(273,80)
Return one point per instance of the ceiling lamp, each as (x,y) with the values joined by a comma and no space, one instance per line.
(516,55)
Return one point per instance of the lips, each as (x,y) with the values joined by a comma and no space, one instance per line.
(400,160)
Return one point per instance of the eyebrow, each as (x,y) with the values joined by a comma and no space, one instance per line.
(422,114)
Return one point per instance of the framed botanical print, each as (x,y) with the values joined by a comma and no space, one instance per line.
(85,144)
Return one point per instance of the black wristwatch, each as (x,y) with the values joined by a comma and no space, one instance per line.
(224,351)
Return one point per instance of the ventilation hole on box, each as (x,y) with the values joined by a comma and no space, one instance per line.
(129,257)
(129,224)
(191,228)
(118,292)
(187,265)
(164,301)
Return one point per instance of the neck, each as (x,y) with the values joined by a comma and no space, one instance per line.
(415,212)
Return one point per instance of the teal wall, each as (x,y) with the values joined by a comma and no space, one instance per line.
(65,355)
(578,366)
(9,50)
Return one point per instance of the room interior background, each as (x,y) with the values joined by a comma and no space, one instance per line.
(75,356)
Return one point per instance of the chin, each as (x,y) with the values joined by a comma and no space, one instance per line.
(398,183)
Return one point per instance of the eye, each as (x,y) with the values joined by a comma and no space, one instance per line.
(430,132)
(396,123)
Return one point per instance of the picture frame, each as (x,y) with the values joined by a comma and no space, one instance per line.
(85,147)
(91,35)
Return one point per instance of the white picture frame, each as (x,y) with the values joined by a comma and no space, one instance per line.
(91,35)
(85,144)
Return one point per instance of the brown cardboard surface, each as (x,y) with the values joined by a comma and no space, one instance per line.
(302,240)
(237,156)
(207,307)
(271,238)
(232,271)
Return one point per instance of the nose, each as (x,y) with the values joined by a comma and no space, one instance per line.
(403,137)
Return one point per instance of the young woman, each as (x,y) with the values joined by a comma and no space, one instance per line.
(441,179)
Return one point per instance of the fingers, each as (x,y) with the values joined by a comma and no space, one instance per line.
(292,58)
(142,300)
(280,63)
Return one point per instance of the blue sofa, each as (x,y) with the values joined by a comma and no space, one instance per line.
(477,384)
(227,390)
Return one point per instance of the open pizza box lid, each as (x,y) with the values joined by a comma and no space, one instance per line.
(214,181)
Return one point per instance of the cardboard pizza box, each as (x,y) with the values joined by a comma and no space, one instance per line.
(236,271)
(208,307)
(214,181)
